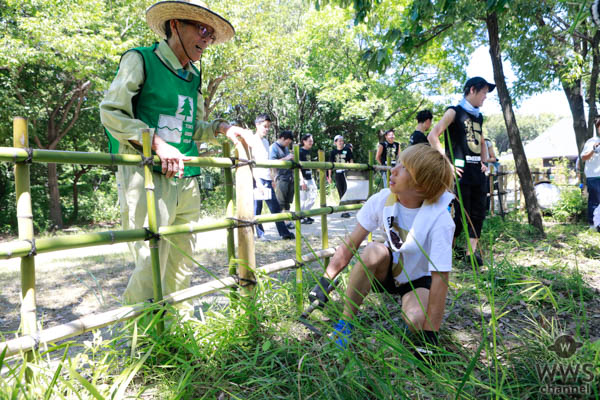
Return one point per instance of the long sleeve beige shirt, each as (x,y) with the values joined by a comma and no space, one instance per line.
(116,109)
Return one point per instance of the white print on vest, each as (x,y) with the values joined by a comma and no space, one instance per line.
(170,128)
(184,108)
(473,159)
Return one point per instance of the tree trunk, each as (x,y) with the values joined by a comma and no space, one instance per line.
(575,98)
(55,210)
(533,211)
(78,175)
(593,111)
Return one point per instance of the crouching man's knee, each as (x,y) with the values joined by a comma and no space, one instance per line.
(415,320)
(376,258)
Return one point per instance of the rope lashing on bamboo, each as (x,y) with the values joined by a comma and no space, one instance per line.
(29,158)
(242,223)
(112,237)
(238,279)
(241,162)
(331,208)
(151,235)
(33,250)
(298,264)
(146,160)
(295,216)
(295,164)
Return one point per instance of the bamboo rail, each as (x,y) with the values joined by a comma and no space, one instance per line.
(16,155)
(20,248)
(26,247)
(96,321)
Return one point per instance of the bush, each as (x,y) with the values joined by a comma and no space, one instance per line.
(571,206)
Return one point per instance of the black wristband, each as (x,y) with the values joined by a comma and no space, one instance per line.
(324,282)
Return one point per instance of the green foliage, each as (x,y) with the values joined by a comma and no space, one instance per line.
(571,207)
(501,321)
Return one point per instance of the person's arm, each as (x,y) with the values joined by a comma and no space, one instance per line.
(302,157)
(378,154)
(437,301)
(491,154)
(588,151)
(439,128)
(116,109)
(483,149)
(345,252)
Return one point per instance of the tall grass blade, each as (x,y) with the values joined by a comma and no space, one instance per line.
(85,383)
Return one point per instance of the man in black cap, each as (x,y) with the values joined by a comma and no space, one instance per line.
(466,148)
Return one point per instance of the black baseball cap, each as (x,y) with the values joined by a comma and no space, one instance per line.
(477,80)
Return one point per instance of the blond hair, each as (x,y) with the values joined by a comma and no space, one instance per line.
(430,170)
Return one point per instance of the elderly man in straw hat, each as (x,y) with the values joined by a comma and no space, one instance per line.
(158,87)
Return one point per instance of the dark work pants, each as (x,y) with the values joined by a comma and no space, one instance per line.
(340,183)
(473,197)
(274,207)
(593,186)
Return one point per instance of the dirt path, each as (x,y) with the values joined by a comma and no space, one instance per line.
(73,283)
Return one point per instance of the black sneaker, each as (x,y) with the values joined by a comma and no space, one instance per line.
(306,221)
(288,236)
(312,220)
(345,215)
(319,292)
(290,225)
(477,257)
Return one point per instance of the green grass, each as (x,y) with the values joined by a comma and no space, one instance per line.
(500,323)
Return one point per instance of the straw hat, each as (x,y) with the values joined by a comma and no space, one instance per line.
(195,10)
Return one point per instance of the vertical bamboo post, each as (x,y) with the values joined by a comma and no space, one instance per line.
(229,212)
(371,162)
(244,201)
(152,225)
(388,162)
(323,203)
(297,207)
(25,226)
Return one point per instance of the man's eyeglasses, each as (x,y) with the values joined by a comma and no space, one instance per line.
(204,31)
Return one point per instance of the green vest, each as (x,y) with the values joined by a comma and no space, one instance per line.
(167,103)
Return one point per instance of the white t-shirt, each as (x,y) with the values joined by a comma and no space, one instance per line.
(411,265)
(592,166)
(260,152)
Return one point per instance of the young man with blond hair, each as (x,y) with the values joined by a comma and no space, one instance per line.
(416,258)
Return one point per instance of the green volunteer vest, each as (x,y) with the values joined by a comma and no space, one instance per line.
(167,103)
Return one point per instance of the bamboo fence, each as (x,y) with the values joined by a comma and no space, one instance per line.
(240,217)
